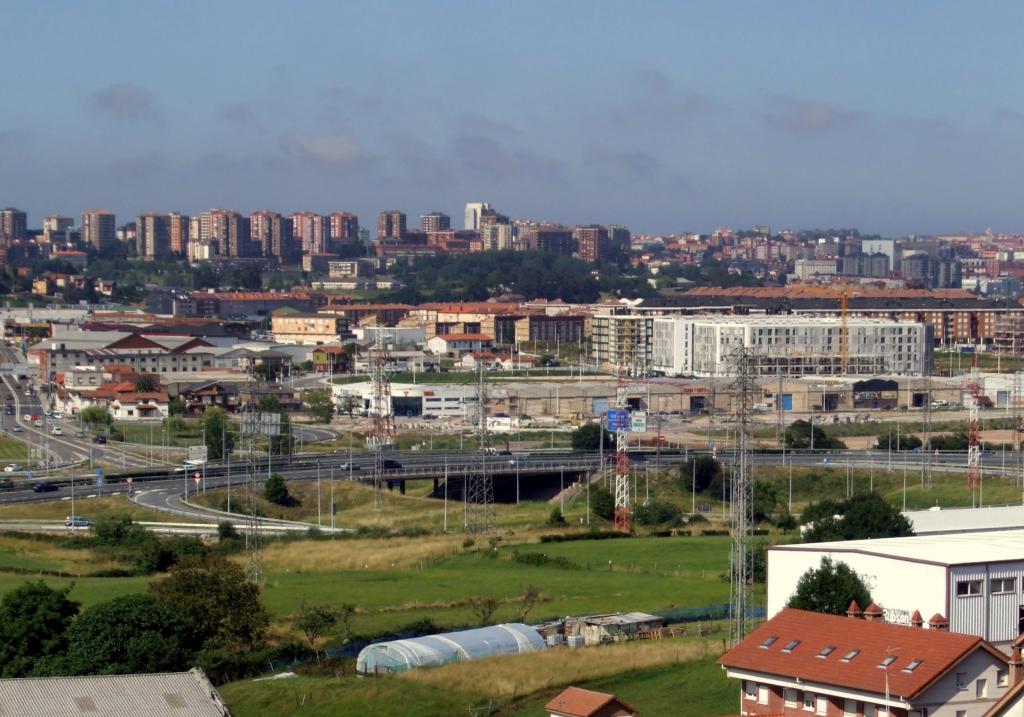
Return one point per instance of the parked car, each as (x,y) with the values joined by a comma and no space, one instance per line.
(39,422)
(44,487)
(57,431)
(16,429)
(77,522)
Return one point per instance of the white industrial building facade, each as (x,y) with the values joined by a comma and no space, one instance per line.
(791,345)
(975,580)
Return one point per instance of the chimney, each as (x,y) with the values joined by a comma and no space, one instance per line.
(854,610)
(916,620)
(873,613)
(1016,662)
(938,622)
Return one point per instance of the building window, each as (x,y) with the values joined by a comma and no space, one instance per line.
(968,588)
(961,681)
(869,710)
(981,688)
(961,713)
(1003,585)
(1002,678)
(822,705)
(791,695)
(849,708)
(762,694)
(749,690)
(809,701)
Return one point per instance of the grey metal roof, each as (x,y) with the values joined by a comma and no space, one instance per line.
(172,694)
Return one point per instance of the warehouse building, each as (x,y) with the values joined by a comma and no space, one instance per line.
(973,579)
(788,345)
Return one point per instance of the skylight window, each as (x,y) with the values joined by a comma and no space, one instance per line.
(887,661)
(768,643)
(827,651)
(790,646)
(912,665)
(850,655)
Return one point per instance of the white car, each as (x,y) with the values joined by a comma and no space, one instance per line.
(11,468)
(57,431)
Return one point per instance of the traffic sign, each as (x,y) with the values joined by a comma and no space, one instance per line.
(197,476)
(617,419)
(128,480)
(197,453)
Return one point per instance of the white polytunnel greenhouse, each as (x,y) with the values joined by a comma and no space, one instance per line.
(401,655)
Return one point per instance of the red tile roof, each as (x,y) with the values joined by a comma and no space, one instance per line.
(874,640)
(578,702)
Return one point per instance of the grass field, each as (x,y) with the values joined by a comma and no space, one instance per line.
(694,687)
(356,507)
(91,508)
(156,434)
(13,450)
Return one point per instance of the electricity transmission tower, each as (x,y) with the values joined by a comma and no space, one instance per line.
(256,424)
(974,432)
(382,434)
(480,488)
(741,495)
(623,509)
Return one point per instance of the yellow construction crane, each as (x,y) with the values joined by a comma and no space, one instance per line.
(843,337)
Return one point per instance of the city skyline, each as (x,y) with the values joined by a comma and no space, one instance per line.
(891,120)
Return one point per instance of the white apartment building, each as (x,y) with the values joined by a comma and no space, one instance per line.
(791,345)
(808,268)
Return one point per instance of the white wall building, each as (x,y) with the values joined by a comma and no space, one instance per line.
(973,579)
(473,212)
(794,345)
(809,268)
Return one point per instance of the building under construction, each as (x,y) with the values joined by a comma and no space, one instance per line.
(790,345)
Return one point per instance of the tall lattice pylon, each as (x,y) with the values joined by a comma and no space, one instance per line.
(741,495)
(480,518)
(382,434)
(256,425)
(974,431)
(623,499)
(926,432)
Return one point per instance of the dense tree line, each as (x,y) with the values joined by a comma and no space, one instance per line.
(204,612)
(535,275)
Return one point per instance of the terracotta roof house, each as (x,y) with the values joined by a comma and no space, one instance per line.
(805,663)
(578,702)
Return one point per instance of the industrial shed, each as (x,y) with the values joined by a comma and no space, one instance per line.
(975,580)
(171,694)
(401,655)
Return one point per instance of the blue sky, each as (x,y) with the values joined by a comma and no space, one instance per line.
(664,116)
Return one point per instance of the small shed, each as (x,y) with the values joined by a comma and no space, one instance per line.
(400,655)
(614,627)
(577,702)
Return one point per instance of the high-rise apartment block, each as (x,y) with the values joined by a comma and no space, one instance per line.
(592,242)
(228,230)
(177,229)
(57,224)
(99,228)
(435,222)
(272,235)
(312,231)
(13,224)
(391,225)
(549,238)
(344,227)
(153,234)
(473,212)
